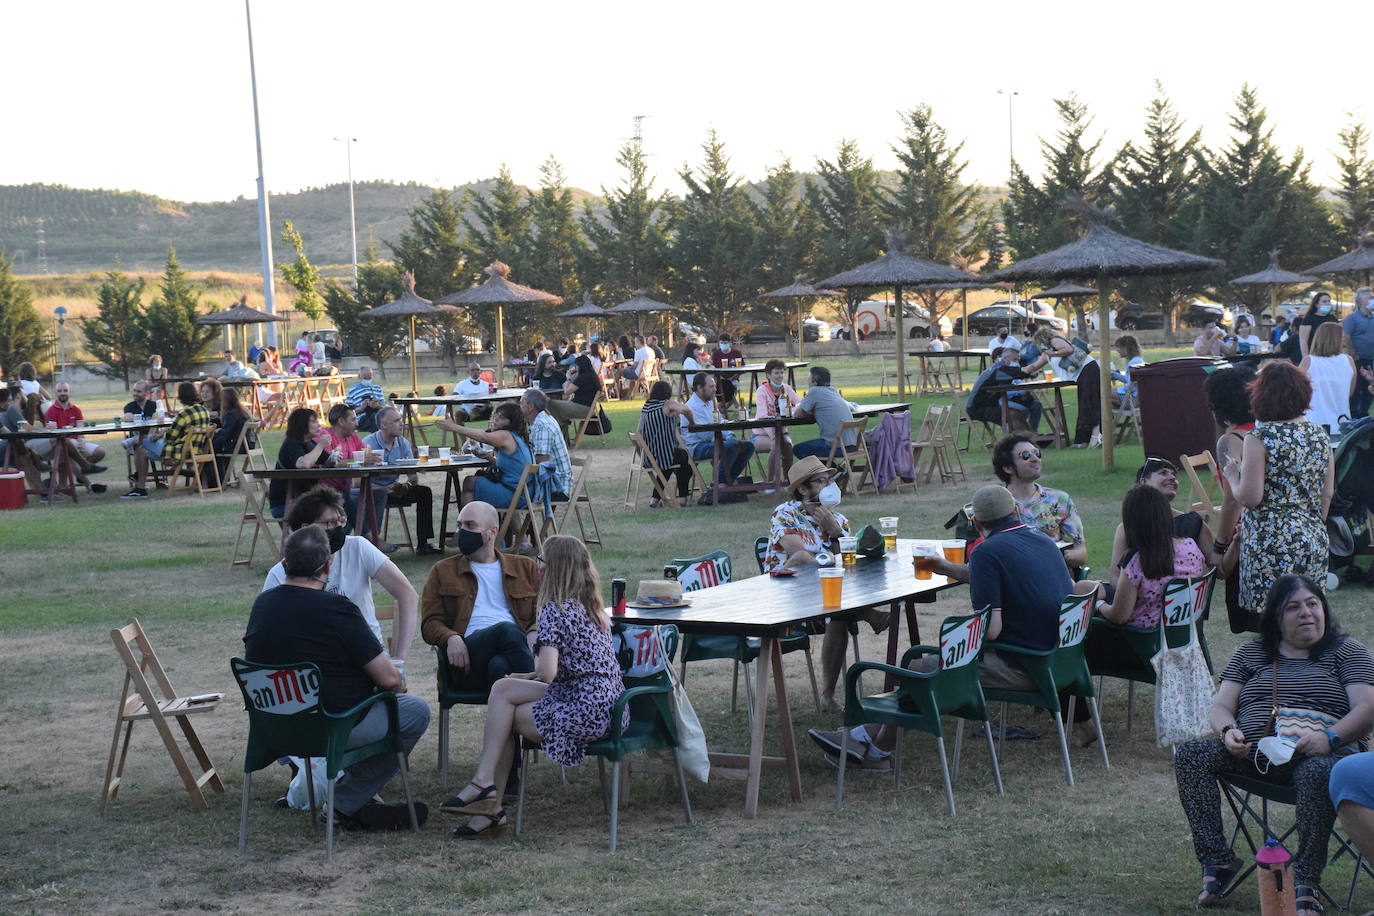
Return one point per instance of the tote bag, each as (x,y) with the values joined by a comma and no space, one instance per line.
(1183,690)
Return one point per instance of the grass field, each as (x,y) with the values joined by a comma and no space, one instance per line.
(1115,843)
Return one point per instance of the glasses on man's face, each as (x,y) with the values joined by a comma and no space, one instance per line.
(337,521)
(1028,454)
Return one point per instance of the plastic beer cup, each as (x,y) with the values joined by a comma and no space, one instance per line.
(1049,375)
(954,550)
(923,554)
(888,525)
(422,452)
(443,454)
(849,550)
(832,585)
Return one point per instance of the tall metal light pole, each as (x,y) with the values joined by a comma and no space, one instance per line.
(264,209)
(60,313)
(352,211)
(1011,132)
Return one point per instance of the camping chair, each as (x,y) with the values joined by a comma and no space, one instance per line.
(449,697)
(525,503)
(1061,669)
(197,459)
(923,698)
(579,426)
(854,459)
(889,376)
(285,718)
(1240,793)
(143,702)
(1200,494)
(648,696)
(1185,603)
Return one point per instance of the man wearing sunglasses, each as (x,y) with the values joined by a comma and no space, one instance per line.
(1016,462)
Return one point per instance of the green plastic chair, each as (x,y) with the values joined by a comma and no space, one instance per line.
(652,724)
(285,718)
(1185,604)
(1059,670)
(922,698)
(713,569)
(448,698)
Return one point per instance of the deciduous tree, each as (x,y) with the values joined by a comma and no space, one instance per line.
(302,276)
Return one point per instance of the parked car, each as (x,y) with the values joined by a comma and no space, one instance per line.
(875,319)
(1135,317)
(1199,313)
(985,321)
(814,330)
(762,333)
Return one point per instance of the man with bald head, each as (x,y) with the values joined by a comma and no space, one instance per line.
(480,606)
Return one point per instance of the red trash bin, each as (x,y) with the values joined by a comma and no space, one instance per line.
(12,494)
(1174,417)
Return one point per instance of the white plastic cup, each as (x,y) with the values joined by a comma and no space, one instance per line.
(444,454)
(423,452)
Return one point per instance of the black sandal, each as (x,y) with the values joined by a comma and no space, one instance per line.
(496,822)
(1215,878)
(1307,899)
(482,803)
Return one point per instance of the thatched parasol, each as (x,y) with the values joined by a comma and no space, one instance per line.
(1065,290)
(897,269)
(1275,278)
(240,315)
(798,290)
(1359,259)
(499,291)
(963,289)
(409,306)
(642,304)
(586,310)
(1104,254)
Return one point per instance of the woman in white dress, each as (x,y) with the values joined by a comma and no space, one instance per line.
(1332,372)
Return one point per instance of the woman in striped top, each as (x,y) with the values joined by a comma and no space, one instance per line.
(1300,661)
(658,427)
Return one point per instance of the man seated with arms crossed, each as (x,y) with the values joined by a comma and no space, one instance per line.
(470,387)
(547,441)
(480,608)
(1015,571)
(1016,461)
(63,413)
(155,445)
(701,445)
(12,420)
(390,490)
(828,409)
(301,620)
(355,564)
(366,399)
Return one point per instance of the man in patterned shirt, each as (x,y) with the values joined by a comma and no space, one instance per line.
(1016,461)
(547,441)
(155,445)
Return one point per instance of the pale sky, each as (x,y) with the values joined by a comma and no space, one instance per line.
(153,95)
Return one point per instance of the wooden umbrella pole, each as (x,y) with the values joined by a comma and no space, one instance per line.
(901,345)
(414,375)
(801,332)
(500,345)
(963,296)
(1104,373)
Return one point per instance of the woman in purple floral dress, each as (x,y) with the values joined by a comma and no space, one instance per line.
(565,703)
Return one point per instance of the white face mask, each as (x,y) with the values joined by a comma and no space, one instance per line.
(829,496)
(1276,750)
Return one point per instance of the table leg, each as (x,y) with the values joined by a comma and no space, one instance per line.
(717,454)
(785,732)
(1006,413)
(365,513)
(449,479)
(894,632)
(1063,420)
(756,731)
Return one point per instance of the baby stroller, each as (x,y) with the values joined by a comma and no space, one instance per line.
(1347,522)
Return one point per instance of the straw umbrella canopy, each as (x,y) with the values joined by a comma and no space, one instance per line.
(1275,278)
(897,269)
(1359,259)
(410,306)
(1104,254)
(498,290)
(1065,291)
(642,304)
(239,315)
(798,290)
(963,289)
(587,310)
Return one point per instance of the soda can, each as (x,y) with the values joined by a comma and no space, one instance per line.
(617,596)
(670,571)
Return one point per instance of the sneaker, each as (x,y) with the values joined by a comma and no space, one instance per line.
(135,493)
(830,742)
(373,816)
(872,764)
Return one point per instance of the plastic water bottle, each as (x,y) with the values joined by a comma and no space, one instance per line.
(1274,867)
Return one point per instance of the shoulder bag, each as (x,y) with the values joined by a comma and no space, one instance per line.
(1183,690)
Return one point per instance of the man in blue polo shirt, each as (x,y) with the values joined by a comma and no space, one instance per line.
(1359,340)
(366,398)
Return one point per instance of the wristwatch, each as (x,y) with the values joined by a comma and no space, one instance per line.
(1335,739)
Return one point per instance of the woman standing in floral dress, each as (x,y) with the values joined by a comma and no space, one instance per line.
(1285,479)
(565,703)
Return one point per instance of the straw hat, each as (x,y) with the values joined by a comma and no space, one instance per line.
(655,593)
(804,470)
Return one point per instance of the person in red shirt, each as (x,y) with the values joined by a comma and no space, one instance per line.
(62,414)
(724,354)
(342,443)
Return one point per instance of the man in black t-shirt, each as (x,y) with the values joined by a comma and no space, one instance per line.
(299,621)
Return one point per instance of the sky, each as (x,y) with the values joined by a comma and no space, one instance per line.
(154,95)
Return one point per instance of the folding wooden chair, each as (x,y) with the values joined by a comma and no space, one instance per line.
(855,459)
(965,427)
(256,514)
(579,426)
(946,445)
(400,511)
(198,452)
(889,376)
(1126,419)
(143,703)
(1201,489)
(610,381)
(577,501)
(643,464)
(526,492)
(232,476)
(648,374)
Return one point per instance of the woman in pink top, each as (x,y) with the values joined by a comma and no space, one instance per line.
(766,402)
(1154,557)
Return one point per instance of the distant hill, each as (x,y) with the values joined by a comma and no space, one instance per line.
(89,229)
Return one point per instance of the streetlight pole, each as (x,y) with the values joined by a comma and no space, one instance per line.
(264,209)
(352,211)
(60,313)
(1011,132)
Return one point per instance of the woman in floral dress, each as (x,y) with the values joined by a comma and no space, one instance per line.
(565,703)
(1284,479)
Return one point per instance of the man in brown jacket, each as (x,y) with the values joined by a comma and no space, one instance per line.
(480,606)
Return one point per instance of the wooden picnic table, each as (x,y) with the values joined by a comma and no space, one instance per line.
(768,607)
(730,371)
(61,477)
(928,379)
(1058,423)
(451,400)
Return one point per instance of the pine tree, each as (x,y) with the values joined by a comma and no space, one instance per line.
(498,226)
(628,248)
(1153,187)
(21,330)
(845,200)
(378,283)
(554,247)
(1356,190)
(302,276)
(432,247)
(715,275)
(169,324)
(113,337)
(786,239)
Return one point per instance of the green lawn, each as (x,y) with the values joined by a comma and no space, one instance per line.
(1115,843)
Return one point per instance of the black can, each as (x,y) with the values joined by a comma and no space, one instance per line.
(670,572)
(618,596)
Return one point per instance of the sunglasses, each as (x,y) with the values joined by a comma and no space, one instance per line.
(1028,454)
(1155,465)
